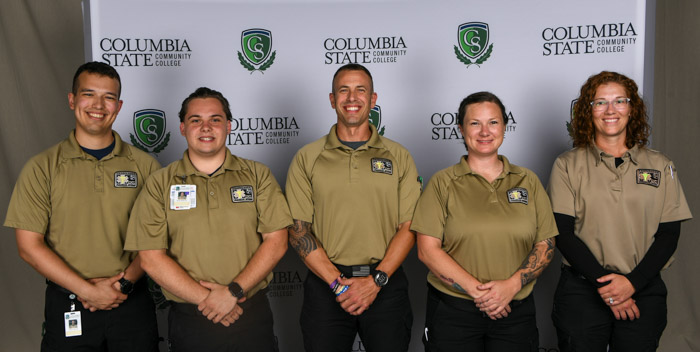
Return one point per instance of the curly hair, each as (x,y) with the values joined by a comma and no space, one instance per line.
(637,129)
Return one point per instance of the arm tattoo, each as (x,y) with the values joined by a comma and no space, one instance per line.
(536,261)
(455,285)
(301,238)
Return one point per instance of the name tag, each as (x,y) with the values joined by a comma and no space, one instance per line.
(183,197)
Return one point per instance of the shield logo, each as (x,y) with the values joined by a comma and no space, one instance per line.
(473,38)
(256,44)
(375,118)
(149,125)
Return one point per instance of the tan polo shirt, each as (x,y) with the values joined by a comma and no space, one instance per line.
(81,204)
(617,209)
(355,199)
(487,228)
(214,240)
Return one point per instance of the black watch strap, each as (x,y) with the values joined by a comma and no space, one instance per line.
(126,286)
(236,290)
(381,278)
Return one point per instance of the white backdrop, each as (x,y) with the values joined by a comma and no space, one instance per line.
(534,56)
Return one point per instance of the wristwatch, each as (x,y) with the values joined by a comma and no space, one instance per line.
(236,290)
(126,286)
(381,278)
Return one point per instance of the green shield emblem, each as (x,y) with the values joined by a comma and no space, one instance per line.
(149,125)
(375,118)
(256,44)
(473,38)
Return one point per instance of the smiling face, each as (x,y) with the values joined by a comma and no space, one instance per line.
(352,98)
(205,128)
(611,122)
(95,104)
(483,129)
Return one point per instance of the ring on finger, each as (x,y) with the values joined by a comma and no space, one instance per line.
(611,300)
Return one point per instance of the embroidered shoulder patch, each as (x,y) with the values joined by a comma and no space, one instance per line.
(382,165)
(240,194)
(649,177)
(126,179)
(517,195)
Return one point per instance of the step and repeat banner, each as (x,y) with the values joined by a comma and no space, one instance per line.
(275,62)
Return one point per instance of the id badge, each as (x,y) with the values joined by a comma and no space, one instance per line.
(73,324)
(183,197)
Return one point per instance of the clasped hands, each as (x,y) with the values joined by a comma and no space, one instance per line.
(617,294)
(220,306)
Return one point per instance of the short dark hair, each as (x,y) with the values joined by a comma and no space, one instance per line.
(637,130)
(480,97)
(352,67)
(98,68)
(201,93)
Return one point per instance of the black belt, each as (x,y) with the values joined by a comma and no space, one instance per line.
(463,303)
(140,283)
(357,270)
(191,309)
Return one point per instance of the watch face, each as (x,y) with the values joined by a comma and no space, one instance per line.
(381,278)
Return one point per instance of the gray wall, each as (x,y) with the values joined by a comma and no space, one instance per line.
(41,44)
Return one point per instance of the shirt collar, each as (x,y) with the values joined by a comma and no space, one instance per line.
(185,168)
(598,154)
(332,141)
(463,167)
(73,149)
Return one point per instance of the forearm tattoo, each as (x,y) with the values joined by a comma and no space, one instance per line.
(536,261)
(301,238)
(455,285)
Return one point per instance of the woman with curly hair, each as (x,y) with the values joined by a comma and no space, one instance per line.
(618,206)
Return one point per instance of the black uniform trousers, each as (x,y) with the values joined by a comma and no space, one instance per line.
(456,324)
(384,327)
(130,327)
(189,330)
(585,323)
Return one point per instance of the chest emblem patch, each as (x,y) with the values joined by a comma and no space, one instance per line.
(649,177)
(517,195)
(382,165)
(241,194)
(126,179)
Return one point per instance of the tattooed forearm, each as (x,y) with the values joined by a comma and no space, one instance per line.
(301,238)
(455,285)
(535,262)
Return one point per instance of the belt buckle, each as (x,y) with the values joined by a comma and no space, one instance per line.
(360,270)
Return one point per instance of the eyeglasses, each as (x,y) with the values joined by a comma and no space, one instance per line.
(618,104)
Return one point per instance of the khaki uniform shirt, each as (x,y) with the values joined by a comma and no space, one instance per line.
(489,229)
(80,204)
(354,199)
(617,209)
(214,240)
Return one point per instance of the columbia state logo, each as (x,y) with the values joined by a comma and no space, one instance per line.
(382,165)
(517,195)
(240,194)
(473,40)
(149,127)
(256,50)
(649,177)
(375,118)
(125,179)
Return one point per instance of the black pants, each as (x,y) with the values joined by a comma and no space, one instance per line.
(384,327)
(585,323)
(456,324)
(129,327)
(189,330)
